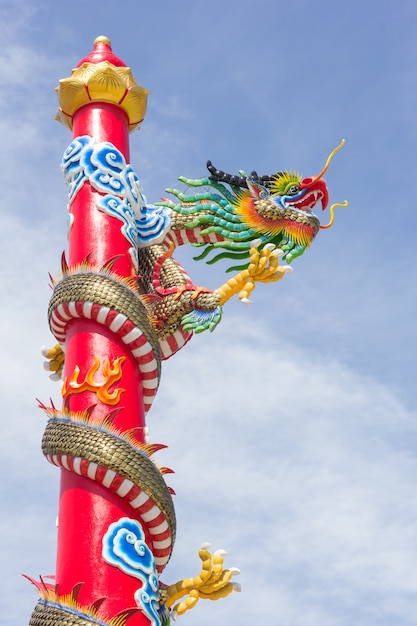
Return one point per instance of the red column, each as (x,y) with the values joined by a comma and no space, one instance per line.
(87,508)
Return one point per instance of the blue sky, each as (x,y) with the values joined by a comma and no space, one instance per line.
(292,428)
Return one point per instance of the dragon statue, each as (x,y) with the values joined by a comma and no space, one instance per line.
(120,306)
(252,220)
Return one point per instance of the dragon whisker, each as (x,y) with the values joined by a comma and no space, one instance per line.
(326,166)
(331,211)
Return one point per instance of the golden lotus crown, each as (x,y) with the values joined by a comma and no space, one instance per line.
(101,77)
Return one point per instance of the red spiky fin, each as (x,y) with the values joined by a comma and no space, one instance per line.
(121,618)
(152,448)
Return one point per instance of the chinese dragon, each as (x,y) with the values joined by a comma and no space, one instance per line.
(121,305)
(252,220)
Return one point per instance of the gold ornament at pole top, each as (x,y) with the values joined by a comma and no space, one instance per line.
(101,81)
(102,39)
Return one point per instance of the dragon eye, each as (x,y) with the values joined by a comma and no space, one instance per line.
(293,190)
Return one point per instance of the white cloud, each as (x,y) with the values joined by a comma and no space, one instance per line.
(306,465)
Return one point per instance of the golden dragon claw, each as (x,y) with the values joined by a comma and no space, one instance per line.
(263,268)
(55,361)
(212,583)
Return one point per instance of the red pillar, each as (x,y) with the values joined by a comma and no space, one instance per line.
(103,102)
(85,507)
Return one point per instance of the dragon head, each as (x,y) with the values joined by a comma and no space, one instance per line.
(238,209)
(290,190)
(281,207)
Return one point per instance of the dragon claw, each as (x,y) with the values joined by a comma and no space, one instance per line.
(263,267)
(55,361)
(212,583)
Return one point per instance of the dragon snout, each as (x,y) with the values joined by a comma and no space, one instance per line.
(317,182)
(319,187)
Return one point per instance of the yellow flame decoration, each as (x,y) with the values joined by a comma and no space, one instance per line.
(111,374)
